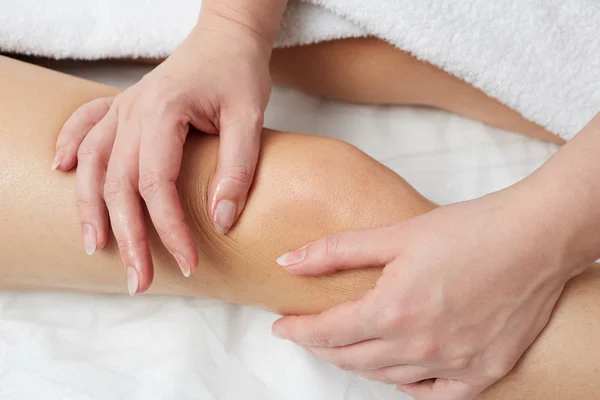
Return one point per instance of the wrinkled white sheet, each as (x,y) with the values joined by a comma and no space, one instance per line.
(84,347)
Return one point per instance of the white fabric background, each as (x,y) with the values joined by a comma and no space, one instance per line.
(89,347)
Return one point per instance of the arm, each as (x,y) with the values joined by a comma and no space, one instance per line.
(565,193)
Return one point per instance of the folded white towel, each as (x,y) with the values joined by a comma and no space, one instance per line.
(539,57)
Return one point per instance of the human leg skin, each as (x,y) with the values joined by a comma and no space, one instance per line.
(306,187)
(369,70)
(287,207)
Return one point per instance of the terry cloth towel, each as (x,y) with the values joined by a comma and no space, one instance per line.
(539,57)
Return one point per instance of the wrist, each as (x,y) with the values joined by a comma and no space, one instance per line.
(256,21)
(525,217)
(547,226)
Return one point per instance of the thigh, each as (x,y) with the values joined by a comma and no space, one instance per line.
(369,70)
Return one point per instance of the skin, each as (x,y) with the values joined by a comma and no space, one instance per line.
(539,233)
(37,213)
(137,142)
(139,135)
(369,70)
(227,259)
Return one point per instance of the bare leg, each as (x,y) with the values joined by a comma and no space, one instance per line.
(287,207)
(563,361)
(370,70)
(306,187)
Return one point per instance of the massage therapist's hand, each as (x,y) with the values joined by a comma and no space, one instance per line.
(129,149)
(465,290)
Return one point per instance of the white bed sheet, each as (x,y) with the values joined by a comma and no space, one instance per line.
(80,347)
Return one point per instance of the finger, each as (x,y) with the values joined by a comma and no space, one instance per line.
(434,389)
(344,250)
(404,374)
(76,129)
(161,151)
(92,160)
(342,325)
(124,204)
(368,374)
(367,355)
(238,154)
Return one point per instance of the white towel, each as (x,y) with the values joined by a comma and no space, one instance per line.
(539,57)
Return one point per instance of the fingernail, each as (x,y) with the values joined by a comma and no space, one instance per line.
(293,257)
(55,162)
(183,265)
(224,216)
(89,239)
(133,281)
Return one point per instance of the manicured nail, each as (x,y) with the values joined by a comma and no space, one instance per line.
(55,162)
(183,265)
(133,281)
(293,257)
(224,216)
(89,239)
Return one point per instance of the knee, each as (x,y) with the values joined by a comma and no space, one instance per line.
(310,185)
(317,186)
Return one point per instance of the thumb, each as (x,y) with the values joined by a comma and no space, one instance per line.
(339,251)
(238,155)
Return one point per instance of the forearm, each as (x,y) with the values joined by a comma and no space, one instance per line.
(564,197)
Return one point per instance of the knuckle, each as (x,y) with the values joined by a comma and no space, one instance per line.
(331,246)
(161,95)
(346,367)
(150,183)
(426,348)
(125,245)
(321,339)
(460,363)
(391,318)
(497,371)
(114,187)
(87,155)
(83,202)
(239,174)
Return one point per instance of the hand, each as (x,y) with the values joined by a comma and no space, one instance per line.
(218,82)
(465,290)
